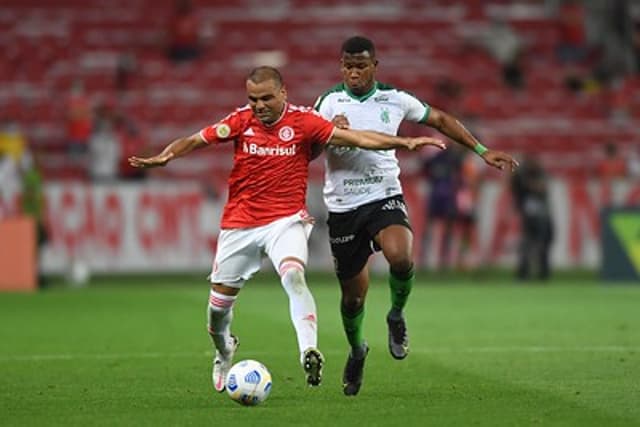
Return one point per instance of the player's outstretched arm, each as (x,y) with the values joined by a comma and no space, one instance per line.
(451,127)
(177,148)
(380,141)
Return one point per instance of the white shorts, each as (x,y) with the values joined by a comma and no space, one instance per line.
(240,250)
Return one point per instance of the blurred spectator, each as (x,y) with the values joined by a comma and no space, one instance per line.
(504,44)
(20,181)
(104,146)
(125,69)
(442,172)
(574,82)
(621,99)
(612,165)
(465,235)
(79,121)
(633,163)
(10,185)
(448,89)
(131,144)
(618,55)
(12,141)
(183,33)
(530,194)
(33,203)
(572,46)
(12,148)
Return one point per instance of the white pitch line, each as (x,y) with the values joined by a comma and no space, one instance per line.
(533,349)
(97,356)
(442,350)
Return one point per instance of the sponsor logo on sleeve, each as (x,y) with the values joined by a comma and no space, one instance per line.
(223,130)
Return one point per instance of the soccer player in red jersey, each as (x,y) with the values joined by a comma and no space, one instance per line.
(265,211)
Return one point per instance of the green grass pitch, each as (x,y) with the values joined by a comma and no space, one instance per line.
(491,353)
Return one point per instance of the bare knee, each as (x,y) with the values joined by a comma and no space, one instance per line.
(225,289)
(399,261)
(396,243)
(353,295)
(352,304)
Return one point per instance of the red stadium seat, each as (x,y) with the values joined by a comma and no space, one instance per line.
(418,45)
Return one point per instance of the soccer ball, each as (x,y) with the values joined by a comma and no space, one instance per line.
(79,274)
(248,382)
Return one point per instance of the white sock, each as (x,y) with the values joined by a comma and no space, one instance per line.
(219,316)
(302,307)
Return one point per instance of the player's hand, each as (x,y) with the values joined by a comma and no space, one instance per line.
(150,162)
(500,160)
(420,141)
(341,121)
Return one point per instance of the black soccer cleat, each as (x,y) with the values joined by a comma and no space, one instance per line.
(313,361)
(398,338)
(352,375)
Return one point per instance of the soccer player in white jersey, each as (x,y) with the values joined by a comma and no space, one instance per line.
(265,211)
(362,192)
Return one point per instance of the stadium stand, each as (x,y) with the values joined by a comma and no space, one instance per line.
(47,45)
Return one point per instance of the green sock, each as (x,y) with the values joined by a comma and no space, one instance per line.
(352,323)
(400,285)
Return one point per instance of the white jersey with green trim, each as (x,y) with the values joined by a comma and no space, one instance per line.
(354,176)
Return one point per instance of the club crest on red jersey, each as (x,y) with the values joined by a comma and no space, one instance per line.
(286,133)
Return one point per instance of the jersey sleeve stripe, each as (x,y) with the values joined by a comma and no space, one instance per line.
(426,113)
(203,137)
(330,135)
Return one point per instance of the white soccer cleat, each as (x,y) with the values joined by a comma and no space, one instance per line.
(222,364)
